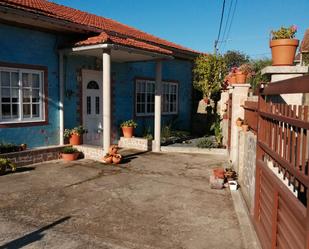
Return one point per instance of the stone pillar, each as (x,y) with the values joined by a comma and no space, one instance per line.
(287,72)
(223,100)
(106,100)
(239,96)
(157,117)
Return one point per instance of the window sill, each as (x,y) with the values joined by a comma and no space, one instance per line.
(22,124)
(152,115)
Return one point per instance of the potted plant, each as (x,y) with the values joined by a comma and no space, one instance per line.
(75,134)
(128,128)
(69,154)
(245,126)
(5,164)
(243,71)
(283,46)
(239,122)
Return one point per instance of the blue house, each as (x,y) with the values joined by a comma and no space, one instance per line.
(61,67)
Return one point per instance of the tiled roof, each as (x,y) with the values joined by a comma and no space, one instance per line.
(305,42)
(80,17)
(104,37)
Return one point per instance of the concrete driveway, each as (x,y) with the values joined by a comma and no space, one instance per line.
(152,201)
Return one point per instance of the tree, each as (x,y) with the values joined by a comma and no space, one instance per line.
(257,77)
(208,74)
(235,58)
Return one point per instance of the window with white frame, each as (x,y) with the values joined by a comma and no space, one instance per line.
(21,95)
(145,95)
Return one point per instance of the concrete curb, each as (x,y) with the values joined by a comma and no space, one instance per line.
(179,149)
(249,235)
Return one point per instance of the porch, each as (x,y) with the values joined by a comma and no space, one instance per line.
(96,91)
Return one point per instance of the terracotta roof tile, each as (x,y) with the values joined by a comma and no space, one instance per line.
(104,37)
(80,17)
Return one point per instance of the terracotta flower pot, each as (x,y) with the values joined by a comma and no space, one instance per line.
(69,157)
(127,131)
(232,79)
(245,128)
(241,77)
(283,51)
(75,139)
(117,158)
(238,123)
(107,159)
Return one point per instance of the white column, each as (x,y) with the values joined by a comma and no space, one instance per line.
(157,117)
(106,100)
(61,99)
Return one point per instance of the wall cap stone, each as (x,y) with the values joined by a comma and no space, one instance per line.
(284,70)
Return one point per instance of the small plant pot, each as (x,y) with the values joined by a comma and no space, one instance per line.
(117,159)
(127,131)
(233,185)
(75,139)
(245,128)
(107,159)
(239,123)
(70,157)
(283,51)
(232,79)
(241,77)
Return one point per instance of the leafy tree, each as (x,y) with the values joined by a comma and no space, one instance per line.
(257,77)
(208,74)
(235,58)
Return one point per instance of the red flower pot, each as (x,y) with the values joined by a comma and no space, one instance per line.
(69,157)
(283,51)
(241,77)
(127,131)
(75,139)
(232,79)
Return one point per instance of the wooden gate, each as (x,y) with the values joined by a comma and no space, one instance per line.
(229,122)
(281,213)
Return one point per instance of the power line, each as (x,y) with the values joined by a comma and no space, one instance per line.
(222,14)
(229,30)
(226,23)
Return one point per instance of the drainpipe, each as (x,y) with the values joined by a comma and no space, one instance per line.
(61,98)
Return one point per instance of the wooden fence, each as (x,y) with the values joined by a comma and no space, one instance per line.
(251,115)
(281,212)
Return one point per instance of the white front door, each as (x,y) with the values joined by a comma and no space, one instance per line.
(92,106)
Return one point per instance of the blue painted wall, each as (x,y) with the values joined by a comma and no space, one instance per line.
(25,46)
(125,75)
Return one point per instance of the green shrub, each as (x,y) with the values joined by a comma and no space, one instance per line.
(69,150)
(6,163)
(205,142)
(8,147)
(129,123)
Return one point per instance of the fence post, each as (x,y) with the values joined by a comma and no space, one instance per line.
(239,96)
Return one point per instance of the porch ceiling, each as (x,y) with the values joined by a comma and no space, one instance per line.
(119,53)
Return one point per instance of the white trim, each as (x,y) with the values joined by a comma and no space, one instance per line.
(41,102)
(61,99)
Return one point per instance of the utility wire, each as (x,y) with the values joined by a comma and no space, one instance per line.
(229,30)
(226,24)
(222,14)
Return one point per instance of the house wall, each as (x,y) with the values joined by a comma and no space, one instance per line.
(123,90)
(25,46)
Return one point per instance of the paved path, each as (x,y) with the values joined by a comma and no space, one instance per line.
(155,201)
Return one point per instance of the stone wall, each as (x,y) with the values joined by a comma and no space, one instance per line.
(90,151)
(135,143)
(246,166)
(28,157)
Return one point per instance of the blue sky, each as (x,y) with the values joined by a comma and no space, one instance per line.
(195,23)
